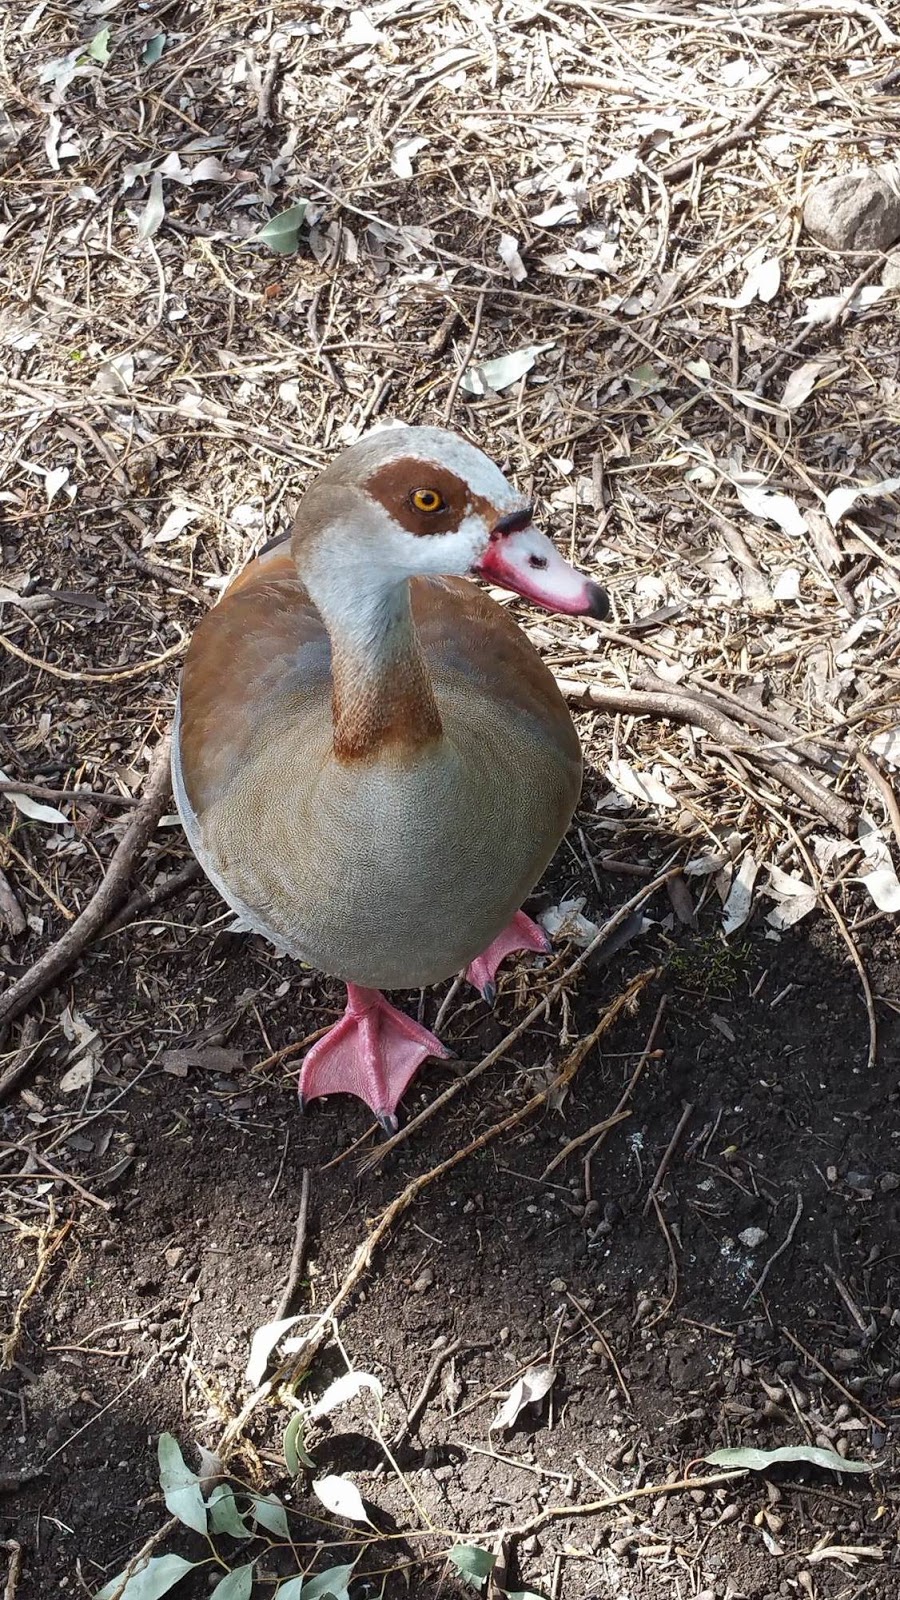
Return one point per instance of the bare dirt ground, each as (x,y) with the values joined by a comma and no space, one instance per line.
(716,1268)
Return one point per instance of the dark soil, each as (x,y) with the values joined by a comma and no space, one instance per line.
(143,1319)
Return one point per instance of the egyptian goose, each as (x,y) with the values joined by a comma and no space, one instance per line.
(372,764)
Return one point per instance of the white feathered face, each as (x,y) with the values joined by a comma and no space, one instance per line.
(460,515)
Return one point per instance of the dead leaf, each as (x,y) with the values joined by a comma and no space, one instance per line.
(526,1391)
(403,152)
(508,251)
(209,1058)
(842,500)
(647,786)
(772,507)
(503,371)
(739,902)
(801,384)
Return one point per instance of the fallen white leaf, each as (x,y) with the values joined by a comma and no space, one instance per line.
(33,808)
(341,1498)
(360,31)
(772,507)
(787,585)
(556,216)
(503,371)
(175,523)
(739,903)
(881,882)
(602,260)
(53,482)
(79,1077)
(154,211)
(403,152)
(801,384)
(761,283)
(508,251)
(787,912)
(345,1389)
(261,1346)
(624,166)
(565,921)
(640,785)
(821,308)
(527,1390)
(840,501)
(713,860)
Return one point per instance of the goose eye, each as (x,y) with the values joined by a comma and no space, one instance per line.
(427,500)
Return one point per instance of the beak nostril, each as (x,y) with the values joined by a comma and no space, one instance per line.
(538,562)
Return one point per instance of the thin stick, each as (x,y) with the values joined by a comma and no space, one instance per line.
(453,1089)
(112,675)
(421,1401)
(62,1177)
(295,1270)
(155,895)
(30,1047)
(776,1253)
(681,708)
(555,1513)
(667,1155)
(364,1254)
(14,1571)
(142,1556)
(621,1114)
(854,1400)
(39,791)
(470,351)
(885,789)
(600,1129)
(726,141)
(105,898)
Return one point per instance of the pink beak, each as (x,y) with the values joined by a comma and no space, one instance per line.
(524,560)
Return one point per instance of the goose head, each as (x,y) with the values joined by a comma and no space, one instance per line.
(409,502)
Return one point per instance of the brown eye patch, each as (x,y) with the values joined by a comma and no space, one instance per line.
(423,497)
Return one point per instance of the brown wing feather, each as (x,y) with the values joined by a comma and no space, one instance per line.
(260,650)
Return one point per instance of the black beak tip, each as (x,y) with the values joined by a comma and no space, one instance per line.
(598,603)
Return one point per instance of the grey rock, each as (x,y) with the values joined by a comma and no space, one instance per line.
(856,211)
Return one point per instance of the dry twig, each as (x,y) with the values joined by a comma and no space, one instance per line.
(69,947)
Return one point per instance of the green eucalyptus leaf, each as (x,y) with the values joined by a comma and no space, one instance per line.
(331,1585)
(294,1453)
(473,1564)
(224,1516)
(236,1585)
(153,49)
(152,1581)
(760,1460)
(98,49)
(267,1510)
(282,233)
(180,1486)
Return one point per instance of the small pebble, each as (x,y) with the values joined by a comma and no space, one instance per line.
(424,1281)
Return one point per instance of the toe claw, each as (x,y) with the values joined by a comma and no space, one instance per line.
(489,993)
(389,1122)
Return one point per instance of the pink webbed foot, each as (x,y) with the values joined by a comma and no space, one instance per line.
(373,1052)
(520,934)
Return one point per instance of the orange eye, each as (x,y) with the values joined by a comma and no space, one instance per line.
(427,500)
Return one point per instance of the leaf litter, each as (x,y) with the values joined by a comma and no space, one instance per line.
(624,344)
